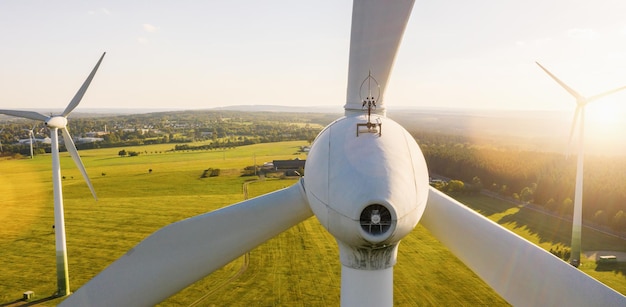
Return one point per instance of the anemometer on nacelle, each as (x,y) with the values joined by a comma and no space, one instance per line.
(370,101)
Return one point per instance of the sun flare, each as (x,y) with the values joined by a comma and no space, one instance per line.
(606,117)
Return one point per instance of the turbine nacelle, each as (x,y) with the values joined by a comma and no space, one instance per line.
(378,192)
(57,121)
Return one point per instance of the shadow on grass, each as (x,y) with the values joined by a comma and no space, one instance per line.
(21,302)
(547,228)
(34,237)
(616,268)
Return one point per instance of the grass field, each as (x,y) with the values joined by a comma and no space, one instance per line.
(300,267)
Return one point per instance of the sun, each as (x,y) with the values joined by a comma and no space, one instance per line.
(605,120)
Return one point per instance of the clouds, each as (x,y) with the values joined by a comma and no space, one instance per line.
(147,28)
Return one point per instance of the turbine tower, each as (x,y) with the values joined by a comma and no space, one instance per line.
(581,102)
(1,140)
(56,123)
(368,186)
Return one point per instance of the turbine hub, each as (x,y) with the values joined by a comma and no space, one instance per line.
(56,122)
(378,192)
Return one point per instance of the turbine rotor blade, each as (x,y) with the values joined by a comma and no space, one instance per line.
(25,114)
(521,272)
(596,97)
(377,29)
(574,121)
(71,148)
(81,92)
(180,254)
(574,93)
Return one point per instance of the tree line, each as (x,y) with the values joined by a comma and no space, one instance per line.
(543,178)
(222,128)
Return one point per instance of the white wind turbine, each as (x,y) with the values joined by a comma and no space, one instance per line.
(369,191)
(55,123)
(1,140)
(31,139)
(581,102)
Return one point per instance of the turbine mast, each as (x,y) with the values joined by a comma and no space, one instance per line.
(63,279)
(578,196)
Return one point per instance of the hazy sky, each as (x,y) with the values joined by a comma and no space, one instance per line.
(203,54)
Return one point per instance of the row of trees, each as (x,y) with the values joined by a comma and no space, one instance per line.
(543,178)
(223,128)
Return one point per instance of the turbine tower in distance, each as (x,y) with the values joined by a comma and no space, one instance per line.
(1,139)
(581,102)
(56,123)
(31,139)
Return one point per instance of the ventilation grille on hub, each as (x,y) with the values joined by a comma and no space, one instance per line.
(375,219)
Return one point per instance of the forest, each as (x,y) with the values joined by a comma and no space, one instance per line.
(543,178)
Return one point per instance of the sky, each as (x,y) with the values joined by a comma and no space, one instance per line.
(204,54)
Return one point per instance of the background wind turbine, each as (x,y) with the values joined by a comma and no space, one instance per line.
(56,123)
(1,139)
(581,102)
(31,138)
(368,191)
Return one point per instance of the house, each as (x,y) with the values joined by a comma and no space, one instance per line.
(285,165)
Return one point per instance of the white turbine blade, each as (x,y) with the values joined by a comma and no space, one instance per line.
(574,93)
(596,97)
(71,148)
(377,28)
(521,272)
(25,114)
(574,121)
(182,253)
(81,92)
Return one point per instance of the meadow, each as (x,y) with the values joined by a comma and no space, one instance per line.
(300,267)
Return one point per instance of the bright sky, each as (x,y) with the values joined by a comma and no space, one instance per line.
(203,54)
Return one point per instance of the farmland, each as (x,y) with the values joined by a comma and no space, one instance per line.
(138,195)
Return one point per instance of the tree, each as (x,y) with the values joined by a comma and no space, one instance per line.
(122,153)
(618,222)
(526,195)
(455,186)
(504,189)
(550,204)
(567,206)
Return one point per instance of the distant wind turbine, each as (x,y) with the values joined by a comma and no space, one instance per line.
(581,102)
(54,123)
(31,139)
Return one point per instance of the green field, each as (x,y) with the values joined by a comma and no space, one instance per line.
(299,267)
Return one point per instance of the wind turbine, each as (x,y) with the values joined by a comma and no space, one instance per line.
(369,191)
(56,123)
(31,138)
(1,140)
(581,102)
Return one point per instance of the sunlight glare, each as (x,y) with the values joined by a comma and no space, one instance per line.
(605,120)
